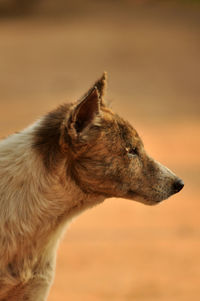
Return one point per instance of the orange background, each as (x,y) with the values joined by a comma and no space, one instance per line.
(52,52)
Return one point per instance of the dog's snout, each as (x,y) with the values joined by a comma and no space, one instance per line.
(178,185)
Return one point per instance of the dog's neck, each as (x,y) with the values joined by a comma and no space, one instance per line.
(26,184)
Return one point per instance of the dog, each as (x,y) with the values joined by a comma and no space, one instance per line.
(71,159)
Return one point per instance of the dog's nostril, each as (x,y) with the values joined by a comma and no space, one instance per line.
(178,185)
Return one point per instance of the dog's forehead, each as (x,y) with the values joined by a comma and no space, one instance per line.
(127,131)
(120,127)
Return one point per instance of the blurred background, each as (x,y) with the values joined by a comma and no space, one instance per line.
(51,52)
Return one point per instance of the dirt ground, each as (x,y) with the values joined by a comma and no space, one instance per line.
(120,250)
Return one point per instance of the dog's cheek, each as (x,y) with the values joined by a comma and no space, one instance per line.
(127,175)
(134,177)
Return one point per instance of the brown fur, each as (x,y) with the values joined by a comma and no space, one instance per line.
(70,160)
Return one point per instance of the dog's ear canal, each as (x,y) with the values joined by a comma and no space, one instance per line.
(86,111)
(85,117)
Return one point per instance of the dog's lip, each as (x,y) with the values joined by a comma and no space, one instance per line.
(147,201)
(131,192)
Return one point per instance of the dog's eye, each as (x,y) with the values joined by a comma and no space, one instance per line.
(132,151)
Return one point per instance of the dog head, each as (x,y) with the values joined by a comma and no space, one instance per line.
(103,153)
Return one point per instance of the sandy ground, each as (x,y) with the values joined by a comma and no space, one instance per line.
(120,250)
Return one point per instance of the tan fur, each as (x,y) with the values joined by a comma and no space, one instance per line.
(70,160)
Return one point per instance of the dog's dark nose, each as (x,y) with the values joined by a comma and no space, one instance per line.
(178,185)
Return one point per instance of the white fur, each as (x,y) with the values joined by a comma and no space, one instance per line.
(35,208)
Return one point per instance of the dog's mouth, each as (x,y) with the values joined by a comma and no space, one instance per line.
(132,195)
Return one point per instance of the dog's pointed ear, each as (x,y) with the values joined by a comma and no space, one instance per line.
(100,85)
(85,114)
